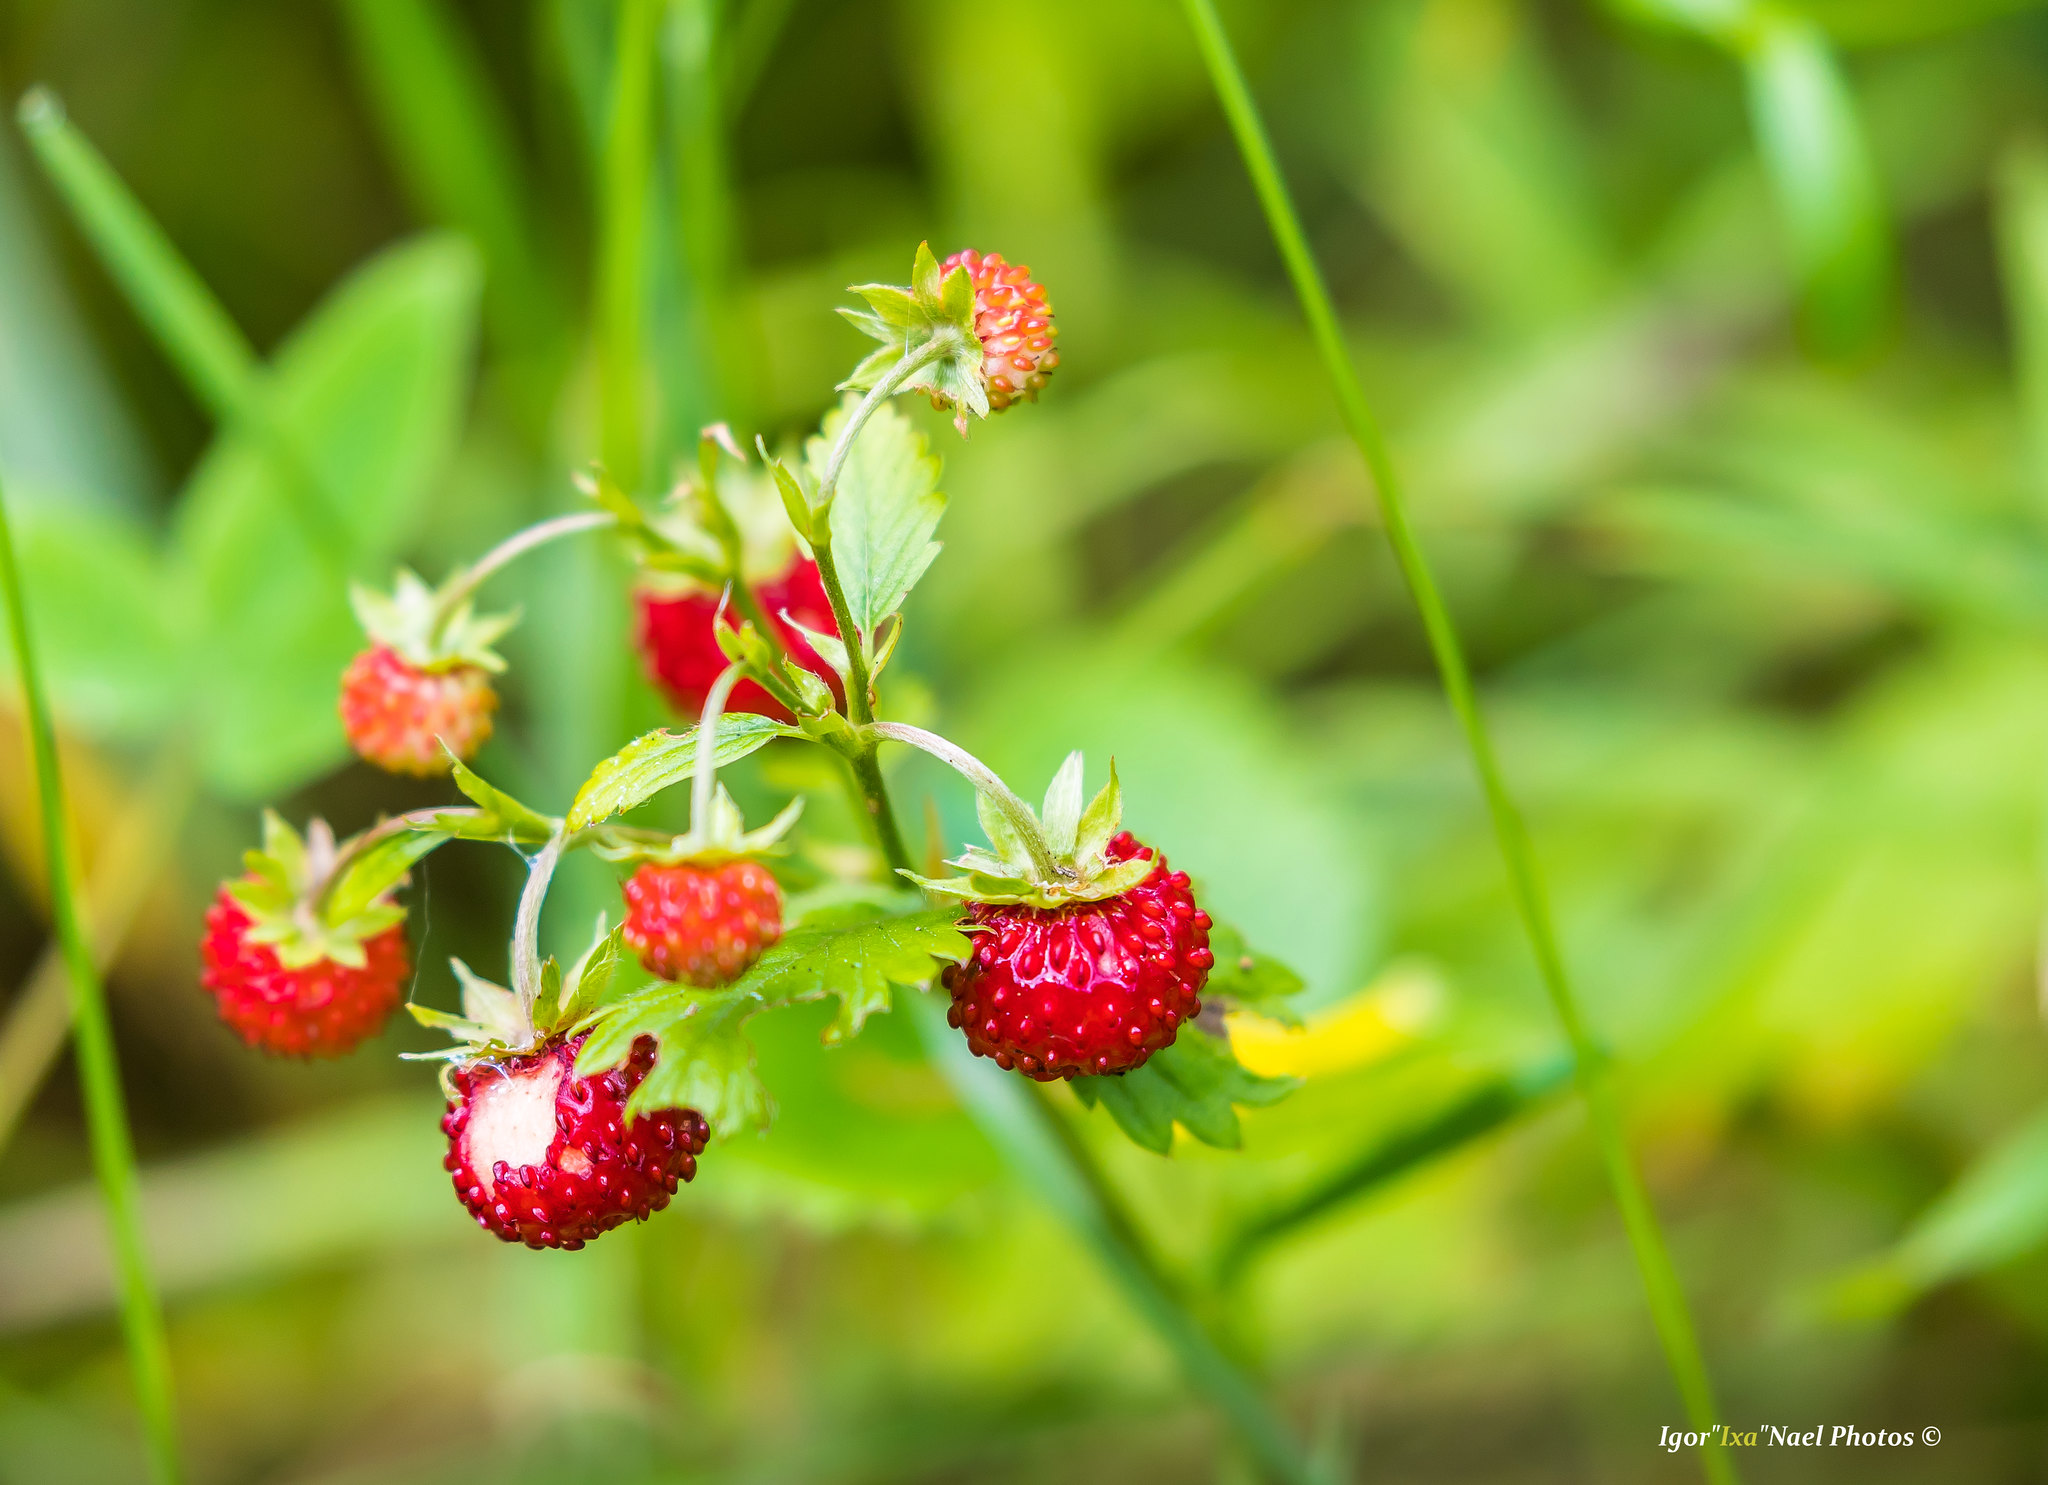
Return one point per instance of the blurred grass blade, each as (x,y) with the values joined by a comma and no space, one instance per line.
(1021,1123)
(99,1071)
(1821,172)
(1669,1310)
(755,35)
(624,184)
(1479,1112)
(39,1016)
(198,335)
(453,145)
(1996,1211)
(703,202)
(2021,200)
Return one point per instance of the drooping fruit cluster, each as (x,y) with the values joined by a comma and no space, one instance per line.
(702,924)
(422,690)
(1013,321)
(1087,988)
(543,1157)
(287,974)
(398,715)
(680,646)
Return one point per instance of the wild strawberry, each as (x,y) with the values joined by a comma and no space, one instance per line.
(284,975)
(543,1157)
(398,716)
(702,924)
(423,688)
(1013,321)
(681,650)
(975,333)
(1094,987)
(1090,954)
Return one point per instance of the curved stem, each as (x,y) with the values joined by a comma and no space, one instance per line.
(1668,1308)
(513,547)
(899,377)
(984,778)
(526,926)
(704,781)
(99,1072)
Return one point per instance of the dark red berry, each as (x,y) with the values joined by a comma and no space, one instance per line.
(681,650)
(397,715)
(322,1009)
(702,924)
(545,1158)
(1092,987)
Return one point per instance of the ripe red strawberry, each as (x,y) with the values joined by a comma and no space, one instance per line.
(1087,988)
(398,715)
(425,680)
(322,1009)
(284,973)
(1013,320)
(681,650)
(703,924)
(548,1159)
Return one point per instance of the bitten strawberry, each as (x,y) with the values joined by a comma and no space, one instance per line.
(1013,321)
(543,1157)
(681,651)
(1090,954)
(285,975)
(425,680)
(702,924)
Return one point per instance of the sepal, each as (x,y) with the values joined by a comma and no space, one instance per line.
(1078,839)
(311,900)
(931,320)
(415,622)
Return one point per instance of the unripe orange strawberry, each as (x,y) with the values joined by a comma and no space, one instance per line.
(1013,320)
(398,716)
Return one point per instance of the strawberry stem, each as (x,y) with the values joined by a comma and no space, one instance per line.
(1668,1308)
(984,778)
(705,778)
(526,927)
(467,580)
(99,1073)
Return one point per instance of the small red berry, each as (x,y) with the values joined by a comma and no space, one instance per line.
(681,651)
(702,924)
(1091,987)
(1013,319)
(398,715)
(322,1009)
(548,1159)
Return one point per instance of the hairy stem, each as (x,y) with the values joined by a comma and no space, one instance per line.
(99,1070)
(705,778)
(526,926)
(872,791)
(458,589)
(984,779)
(1668,1307)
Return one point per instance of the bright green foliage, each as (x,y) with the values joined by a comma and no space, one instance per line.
(1250,981)
(661,759)
(1192,1083)
(932,320)
(289,908)
(707,1062)
(884,513)
(412,620)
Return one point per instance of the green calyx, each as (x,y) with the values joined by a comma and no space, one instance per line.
(931,322)
(307,910)
(720,837)
(431,628)
(1074,840)
(493,1022)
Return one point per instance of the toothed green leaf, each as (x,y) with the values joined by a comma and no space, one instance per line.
(656,760)
(705,1061)
(1249,980)
(886,510)
(512,817)
(1193,1083)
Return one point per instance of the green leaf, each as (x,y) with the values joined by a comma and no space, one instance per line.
(656,760)
(887,507)
(706,1061)
(857,963)
(1250,980)
(508,814)
(1193,1083)
(377,871)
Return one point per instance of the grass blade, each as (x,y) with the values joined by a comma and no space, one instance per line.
(1668,1308)
(623,189)
(99,1072)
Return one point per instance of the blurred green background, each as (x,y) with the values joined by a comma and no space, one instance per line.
(1714,340)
